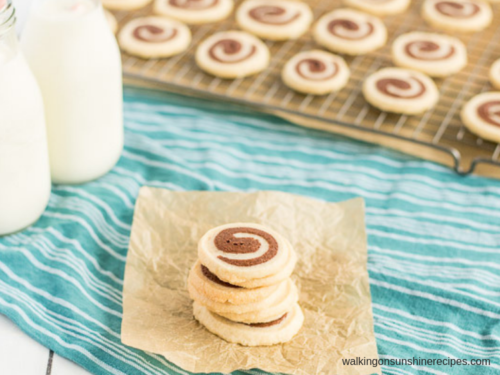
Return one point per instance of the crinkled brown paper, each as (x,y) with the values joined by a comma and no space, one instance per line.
(331,274)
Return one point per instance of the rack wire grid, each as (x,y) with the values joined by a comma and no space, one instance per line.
(439,129)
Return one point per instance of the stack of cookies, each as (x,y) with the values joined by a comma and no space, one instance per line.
(241,285)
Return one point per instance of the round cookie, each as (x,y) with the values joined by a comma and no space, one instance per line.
(124,4)
(481,115)
(154,37)
(433,54)
(457,15)
(256,334)
(113,25)
(495,74)
(269,309)
(275,19)
(211,287)
(195,11)
(315,72)
(240,252)
(400,90)
(232,54)
(379,7)
(351,32)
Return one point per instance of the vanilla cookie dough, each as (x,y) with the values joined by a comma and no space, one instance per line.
(315,72)
(457,15)
(275,19)
(351,32)
(154,37)
(255,334)
(113,25)
(481,115)
(211,287)
(232,54)
(194,11)
(400,90)
(495,74)
(434,54)
(379,7)
(124,4)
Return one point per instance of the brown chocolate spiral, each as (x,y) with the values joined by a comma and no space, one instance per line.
(193,4)
(212,277)
(227,242)
(231,51)
(273,14)
(154,34)
(268,324)
(429,50)
(316,69)
(490,112)
(409,88)
(457,9)
(349,29)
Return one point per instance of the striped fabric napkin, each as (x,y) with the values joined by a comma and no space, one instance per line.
(434,237)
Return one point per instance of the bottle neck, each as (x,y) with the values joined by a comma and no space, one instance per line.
(8,37)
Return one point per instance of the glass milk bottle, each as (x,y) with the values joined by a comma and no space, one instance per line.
(24,161)
(76,61)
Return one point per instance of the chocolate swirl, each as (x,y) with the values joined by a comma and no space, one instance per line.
(268,324)
(429,50)
(193,4)
(409,88)
(273,14)
(154,34)
(490,112)
(316,70)
(212,277)
(349,29)
(227,242)
(231,51)
(457,9)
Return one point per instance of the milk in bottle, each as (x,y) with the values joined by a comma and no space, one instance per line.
(76,60)
(24,161)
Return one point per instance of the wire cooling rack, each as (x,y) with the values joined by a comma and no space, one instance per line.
(440,129)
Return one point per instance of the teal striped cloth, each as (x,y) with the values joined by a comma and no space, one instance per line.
(434,237)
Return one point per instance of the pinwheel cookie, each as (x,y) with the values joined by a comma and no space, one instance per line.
(232,54)
(457,15)
(195,11)
(495,74)
(151,37)
(350,32)
(481,115)
(274,19)
(434,54)
(124,4)
(315,72)
(379,7)
(400,91)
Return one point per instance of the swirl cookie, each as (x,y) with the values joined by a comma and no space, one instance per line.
(211,287)
(350,32)
(434,54)
(239,253)
(152,37)
(232,54)
(457,15)
(379,7)
(268,309)
(195,11)
(255,334)
(315,72)
(400,91)
(113,25)
(481,115)
(124,4)
(495,74)
(274,19)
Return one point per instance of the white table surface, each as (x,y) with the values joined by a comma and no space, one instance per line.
(19,353)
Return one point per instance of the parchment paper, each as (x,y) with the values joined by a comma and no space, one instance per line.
(331,275)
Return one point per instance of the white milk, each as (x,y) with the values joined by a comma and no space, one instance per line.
(24,161)
(76,60)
